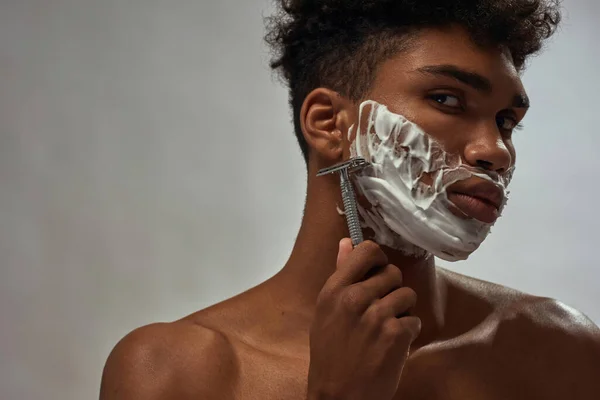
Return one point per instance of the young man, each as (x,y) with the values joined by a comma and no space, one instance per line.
(428,93)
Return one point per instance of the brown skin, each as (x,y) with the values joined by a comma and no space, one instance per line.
(477,340)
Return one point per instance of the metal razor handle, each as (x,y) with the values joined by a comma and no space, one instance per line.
(348,195)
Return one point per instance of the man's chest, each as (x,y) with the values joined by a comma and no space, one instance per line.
(432,378)
(483,373)
(462,381)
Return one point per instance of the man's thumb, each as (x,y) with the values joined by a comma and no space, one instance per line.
(345,248)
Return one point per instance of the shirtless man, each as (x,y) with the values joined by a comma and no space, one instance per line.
(344,323)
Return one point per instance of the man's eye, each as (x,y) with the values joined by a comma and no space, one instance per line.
(506,123)
(446,100)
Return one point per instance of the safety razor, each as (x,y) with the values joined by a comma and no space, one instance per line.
(348,196)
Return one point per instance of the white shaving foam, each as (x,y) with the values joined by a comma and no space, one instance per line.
(407,214)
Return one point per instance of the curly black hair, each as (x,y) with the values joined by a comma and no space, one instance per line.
(338,44)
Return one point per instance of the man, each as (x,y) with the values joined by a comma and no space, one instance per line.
(429,94)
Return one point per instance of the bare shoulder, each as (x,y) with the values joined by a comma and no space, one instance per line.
(177,360)
(473,290)
(562,326)
(555,314)
(523,323)
(538,344)
(556,346)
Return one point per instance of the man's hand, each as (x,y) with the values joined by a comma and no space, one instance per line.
(359,339)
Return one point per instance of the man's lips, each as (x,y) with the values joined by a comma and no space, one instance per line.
(481,201)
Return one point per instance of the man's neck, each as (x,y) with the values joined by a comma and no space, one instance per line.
(313,261)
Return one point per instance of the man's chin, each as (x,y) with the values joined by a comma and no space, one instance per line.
(454,256)
(410,250)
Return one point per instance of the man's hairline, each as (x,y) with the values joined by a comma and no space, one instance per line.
(405,43)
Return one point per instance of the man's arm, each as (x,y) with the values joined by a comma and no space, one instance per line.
(179,360)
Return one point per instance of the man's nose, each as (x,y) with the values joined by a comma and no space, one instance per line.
(487,150)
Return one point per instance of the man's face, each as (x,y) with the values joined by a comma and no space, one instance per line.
(467,98)
(465,102)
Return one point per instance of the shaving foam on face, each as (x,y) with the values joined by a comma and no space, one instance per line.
(406,213)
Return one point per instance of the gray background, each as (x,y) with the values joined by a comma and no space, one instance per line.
(148,169)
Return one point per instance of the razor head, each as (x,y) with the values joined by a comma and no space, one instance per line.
(351,165)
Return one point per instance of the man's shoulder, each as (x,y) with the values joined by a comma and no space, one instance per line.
(169,360)
(468,289)
(552,314)
(541,320)
(508,304)
(553,322)
(516,320)
(555,345)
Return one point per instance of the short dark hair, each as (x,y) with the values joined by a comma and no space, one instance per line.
(338,44)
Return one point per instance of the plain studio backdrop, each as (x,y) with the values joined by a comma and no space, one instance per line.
(148,169)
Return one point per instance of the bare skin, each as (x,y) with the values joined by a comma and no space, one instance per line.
(477,340)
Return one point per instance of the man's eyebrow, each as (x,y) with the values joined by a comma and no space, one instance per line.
(473,79)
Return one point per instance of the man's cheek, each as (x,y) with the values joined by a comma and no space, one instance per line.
(402,194)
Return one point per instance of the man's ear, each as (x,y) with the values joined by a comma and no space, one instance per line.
(325,120)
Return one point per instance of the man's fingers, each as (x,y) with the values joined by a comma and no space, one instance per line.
(353,264)
(397,303)
(345,248)
(382,282)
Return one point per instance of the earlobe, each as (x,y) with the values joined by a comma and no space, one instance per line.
(322,117)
